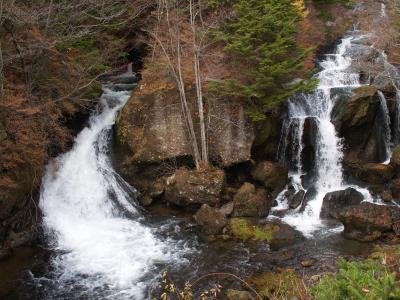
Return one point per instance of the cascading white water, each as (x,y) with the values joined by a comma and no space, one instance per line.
(396,133)
(335,75)
(85,205)
(386,126)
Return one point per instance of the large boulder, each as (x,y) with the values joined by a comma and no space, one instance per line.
(250,201)
(373,173)
(357,120)
(193,188)
(357,111)
(334,202)
(272,175)
(368,221)
(210,219)
(151,129)
(310,146)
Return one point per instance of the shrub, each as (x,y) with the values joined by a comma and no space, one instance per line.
(358,280)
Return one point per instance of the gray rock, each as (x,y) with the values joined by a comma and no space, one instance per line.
(334,202)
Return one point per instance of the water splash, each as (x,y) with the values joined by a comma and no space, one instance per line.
(91,220)
(387,136)
(335,75)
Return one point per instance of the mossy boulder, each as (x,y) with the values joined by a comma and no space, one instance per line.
(273,176)
(187,188)
(250,201)
(276,234)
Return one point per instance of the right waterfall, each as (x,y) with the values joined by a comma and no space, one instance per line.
(310,145)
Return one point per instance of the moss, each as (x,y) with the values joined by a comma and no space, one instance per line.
(282,285)
(244,230)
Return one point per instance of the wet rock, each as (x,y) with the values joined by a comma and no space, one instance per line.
(19,239)
(356,120)
(309,196)
(274,176)
(359,110)
(192,187)
(250,201)
(376,173)
(334,202)
(309,146)
(297,199)
(211,220)
(238,295)
(367,221)
(283,235)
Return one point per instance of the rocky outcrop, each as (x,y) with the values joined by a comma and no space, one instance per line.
(250,201)
(375,173)
(187,188)
(357,120)
(334,202)
(151,129)
(272,175)
(210,219)
(368,221)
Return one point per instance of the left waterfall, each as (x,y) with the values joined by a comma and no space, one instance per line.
(101,243)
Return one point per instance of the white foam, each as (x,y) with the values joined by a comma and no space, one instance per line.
(85,203)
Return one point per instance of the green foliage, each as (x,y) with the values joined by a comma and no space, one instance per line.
(243,230)
(262,36)
(358,280)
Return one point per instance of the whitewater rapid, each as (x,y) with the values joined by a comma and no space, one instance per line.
(91,219)
(335,74)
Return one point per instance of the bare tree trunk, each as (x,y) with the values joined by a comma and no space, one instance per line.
(199,90)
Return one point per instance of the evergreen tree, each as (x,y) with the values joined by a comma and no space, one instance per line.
(262,37)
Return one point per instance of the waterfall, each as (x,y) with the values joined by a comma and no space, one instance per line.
(396,133)
(383,11)
(95,228)
(387,136)
(328,177)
